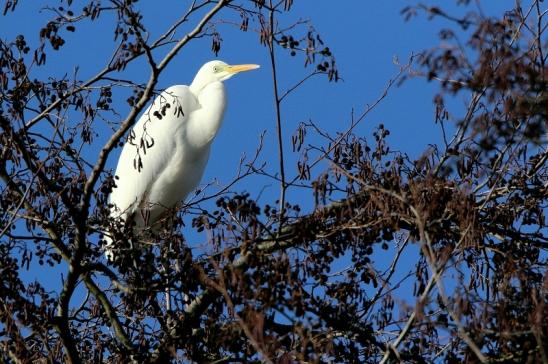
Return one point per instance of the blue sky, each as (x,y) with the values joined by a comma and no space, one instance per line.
(364,36)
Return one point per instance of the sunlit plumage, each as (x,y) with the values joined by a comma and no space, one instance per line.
(167,150)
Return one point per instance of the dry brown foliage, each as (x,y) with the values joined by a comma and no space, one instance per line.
(265,289)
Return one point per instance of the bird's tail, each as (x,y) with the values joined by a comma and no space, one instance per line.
(109,236)
(109,246)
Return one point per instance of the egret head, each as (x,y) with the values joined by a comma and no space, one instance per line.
(219,71)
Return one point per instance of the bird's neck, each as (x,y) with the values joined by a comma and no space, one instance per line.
(196,88)
(206,121)
(199,83)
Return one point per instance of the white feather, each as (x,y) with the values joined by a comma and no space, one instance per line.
(166,153)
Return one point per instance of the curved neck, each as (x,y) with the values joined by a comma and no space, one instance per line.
(199,83)
(206,120)
(196,88)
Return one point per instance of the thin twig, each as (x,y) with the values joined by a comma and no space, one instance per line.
(277,104)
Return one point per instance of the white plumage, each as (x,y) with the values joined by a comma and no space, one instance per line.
(166,152)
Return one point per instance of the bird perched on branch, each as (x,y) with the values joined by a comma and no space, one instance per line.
(166,152)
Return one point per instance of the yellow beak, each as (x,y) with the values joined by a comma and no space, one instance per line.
(237,68)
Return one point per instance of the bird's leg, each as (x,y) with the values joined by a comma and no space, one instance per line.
(167,290)
(168,299)
(145,215)
(129,228)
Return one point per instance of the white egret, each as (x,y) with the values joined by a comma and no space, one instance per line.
(166,152)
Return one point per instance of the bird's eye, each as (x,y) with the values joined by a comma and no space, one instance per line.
(216,69)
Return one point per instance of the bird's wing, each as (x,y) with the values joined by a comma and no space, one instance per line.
(149,147)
